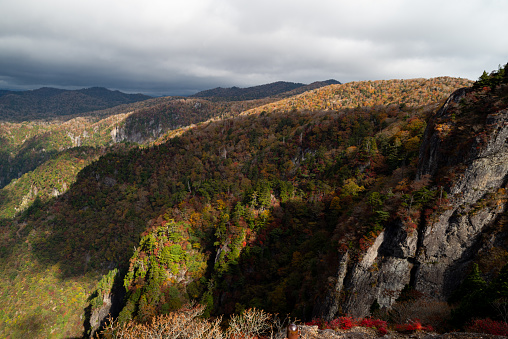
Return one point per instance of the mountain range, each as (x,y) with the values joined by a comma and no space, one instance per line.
(50,102)
(47,102)
(368,199)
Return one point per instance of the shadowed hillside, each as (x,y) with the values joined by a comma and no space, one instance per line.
(48,102)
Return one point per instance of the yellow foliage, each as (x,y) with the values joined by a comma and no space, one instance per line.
(350,188)
(335,203)
(443,129)
(221,204)
(416,125)
(412,144)
(195,218)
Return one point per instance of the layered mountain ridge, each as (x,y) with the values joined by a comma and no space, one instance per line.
(321,204)
(50,102)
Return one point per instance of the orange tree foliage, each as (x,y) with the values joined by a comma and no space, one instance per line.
(412,92)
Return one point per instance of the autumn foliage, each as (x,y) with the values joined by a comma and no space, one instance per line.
(234,209)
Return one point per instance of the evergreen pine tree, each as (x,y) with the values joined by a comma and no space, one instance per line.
(483,81)
(472,298)
(499,287)
(472,284)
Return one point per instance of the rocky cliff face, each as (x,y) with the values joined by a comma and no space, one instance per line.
(140,134)
(476,200)
(467,153)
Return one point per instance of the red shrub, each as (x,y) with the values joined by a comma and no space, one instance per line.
(343,323)
(488,326)
(382,330)
(373,323)
(413,326)
(378,324)
(346,323)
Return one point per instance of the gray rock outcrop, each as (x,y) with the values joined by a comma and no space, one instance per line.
(435,258)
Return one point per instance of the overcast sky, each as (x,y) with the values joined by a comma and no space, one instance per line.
(178,47)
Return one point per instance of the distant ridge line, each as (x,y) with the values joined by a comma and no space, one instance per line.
(49,102)
(275,89)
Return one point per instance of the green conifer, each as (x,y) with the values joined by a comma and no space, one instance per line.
(472,284)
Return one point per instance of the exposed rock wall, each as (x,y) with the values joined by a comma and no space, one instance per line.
(435,258)
(449,244)
(98,316)
(330,305)
(382,273)
(133,133)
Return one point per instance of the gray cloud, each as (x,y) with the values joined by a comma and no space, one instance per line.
(182,46)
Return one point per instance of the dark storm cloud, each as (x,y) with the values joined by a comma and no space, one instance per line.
(180,47)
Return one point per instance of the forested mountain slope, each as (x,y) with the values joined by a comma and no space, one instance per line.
(306,88)
(277,89)
(367,93)
(226,211)
(27,146)
(49,102)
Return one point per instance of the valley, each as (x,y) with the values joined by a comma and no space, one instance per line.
(330,202)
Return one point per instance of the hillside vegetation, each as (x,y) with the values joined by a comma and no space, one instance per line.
(413,92)
(222,213)
(26,147)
